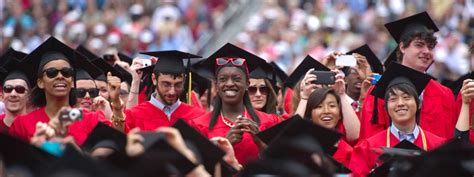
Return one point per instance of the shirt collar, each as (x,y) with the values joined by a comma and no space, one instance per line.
(396,132)
(157,103)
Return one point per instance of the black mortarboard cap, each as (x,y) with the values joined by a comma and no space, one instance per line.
(456,85)
(13,69)
(231,51)
(125,58)
(340,168)
(86,52)
(104,136)
(392,57)
(400,74)
(124,75)
(157,148)
(373,60)
(264,71)
(9,54)
(210,154)
(297,126)
(281,75)
(74,163)
(275,167)
(405,27)
(15,152)
(307,63)
(171,61)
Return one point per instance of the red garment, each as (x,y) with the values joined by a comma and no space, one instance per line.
(142,96)
(287,104)
(195,101)
(246,150)
(24,126)
(343,153)
(364,159)
(148,117)
(438,114)
(3,127)
(471,111)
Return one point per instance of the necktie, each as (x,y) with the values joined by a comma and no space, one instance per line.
(167,111)
(355,105)
(409,136)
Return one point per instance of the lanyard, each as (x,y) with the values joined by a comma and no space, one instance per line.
(423,138)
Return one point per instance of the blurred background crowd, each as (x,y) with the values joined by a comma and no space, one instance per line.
(283,31)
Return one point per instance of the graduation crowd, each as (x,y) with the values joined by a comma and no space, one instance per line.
(70,112)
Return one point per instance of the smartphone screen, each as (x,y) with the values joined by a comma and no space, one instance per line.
(346,60)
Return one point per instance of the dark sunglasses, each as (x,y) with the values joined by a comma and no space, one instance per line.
(123,92)
(93,92)
(234,61)
(53,72)
(253,90)
(18,89)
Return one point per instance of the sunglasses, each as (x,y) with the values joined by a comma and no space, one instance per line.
(93,92)
(253,90)
(18,89)
(123,92)
(53,72)
(234,61)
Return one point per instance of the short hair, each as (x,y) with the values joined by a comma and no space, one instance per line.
(405,88)
(427,36)
(317,97)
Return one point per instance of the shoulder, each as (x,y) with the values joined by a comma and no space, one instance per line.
(434,139)
(202,120)
(377,139)
(438,88)
(141,107)
(267,120)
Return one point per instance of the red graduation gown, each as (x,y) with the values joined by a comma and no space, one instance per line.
(343,153)
(438,113)
(364,159)
(3,127)
(287,104)
(148,117)
(246,150)
(471,111)
(24,126)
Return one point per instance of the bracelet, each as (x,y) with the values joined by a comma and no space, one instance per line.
(304,98)
(116,107)
(134,92)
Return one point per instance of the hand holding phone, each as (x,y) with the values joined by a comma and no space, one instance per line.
(324,77)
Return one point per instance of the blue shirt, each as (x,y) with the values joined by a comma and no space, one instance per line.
(402,136)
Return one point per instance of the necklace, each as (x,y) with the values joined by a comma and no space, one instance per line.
(228,122)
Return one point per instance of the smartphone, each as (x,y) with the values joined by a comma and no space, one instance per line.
(70,115)
(146,62)
(324,77)
(346,60)
(376,78)
(109,57)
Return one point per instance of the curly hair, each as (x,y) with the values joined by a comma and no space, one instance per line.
(406,39)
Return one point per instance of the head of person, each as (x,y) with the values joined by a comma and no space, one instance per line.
(324,108)
(101,83)
(402,102)
(86,89)
(124,90)
(353,82)
(54,80)
(15,92)
(169,86)
(262,96)
(416,40)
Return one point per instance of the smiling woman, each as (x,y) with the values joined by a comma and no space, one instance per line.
(54,91)
(233,116)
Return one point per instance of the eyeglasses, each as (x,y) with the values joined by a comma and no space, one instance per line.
(53,72)
(93,92)
(18,89)
(234,61)
(253,90)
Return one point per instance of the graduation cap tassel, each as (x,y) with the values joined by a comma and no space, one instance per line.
(190,83)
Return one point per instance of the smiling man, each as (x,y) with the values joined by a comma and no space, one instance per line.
(164,107)
(400,87)
(416,40)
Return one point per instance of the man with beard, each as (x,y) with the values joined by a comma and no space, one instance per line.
(164,108)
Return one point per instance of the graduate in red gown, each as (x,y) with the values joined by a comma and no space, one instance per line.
(465,105)
(330,108)
(15,88)
(400,86)
(164,107)
(416,41)
(233,116)
(52,65)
